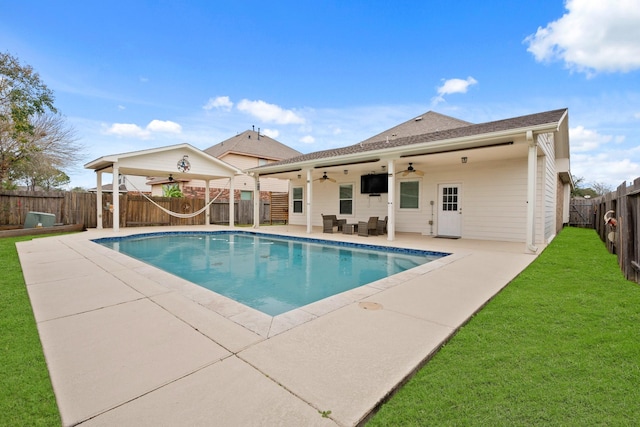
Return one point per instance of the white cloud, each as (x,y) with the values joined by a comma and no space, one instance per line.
(127,130)
(602,158)
(220,102)
(271,133)
(593,36)
(166,126)
(586,140)
(121,107)
(637,116)
(612,168)
(269,113)
(453,86)
(134,131)
(307,139)
(144,80)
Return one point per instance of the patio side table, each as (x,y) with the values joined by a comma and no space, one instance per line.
(350,228)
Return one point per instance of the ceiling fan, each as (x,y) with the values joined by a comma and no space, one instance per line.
(324,178)
(411,169)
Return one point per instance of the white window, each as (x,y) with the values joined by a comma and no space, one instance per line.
(297,199)
(409,194)
(346,199)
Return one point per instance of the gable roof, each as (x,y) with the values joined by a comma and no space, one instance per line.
(436,141)
(163,160)
(422,124)
(254,144)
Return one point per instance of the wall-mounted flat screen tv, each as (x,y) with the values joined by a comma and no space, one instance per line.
(374,183)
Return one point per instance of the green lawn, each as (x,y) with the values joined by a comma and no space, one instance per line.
(559,346)
(26,395)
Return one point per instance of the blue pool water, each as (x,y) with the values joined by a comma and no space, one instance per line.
(273,274)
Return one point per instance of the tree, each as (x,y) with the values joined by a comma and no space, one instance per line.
(171,190)
(23,98)
(596,189)
(601,188)
(51,147)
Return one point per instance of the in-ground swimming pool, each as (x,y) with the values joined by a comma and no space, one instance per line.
(273,274)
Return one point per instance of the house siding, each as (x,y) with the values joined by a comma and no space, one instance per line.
(493,200)
(546,143)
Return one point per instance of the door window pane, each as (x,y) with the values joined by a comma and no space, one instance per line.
(449,198)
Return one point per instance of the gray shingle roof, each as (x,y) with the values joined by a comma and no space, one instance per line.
(468,130)
(251,143)
(420,125)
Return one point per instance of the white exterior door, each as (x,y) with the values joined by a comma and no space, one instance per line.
(449,210)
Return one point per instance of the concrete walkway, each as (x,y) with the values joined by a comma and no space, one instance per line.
(127,344)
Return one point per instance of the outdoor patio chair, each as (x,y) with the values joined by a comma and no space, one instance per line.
(368,228)
(382,226)
(331,221)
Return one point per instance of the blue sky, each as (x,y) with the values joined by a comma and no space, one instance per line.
(316,75)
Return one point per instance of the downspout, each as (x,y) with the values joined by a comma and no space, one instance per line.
(531,191)
(309,205)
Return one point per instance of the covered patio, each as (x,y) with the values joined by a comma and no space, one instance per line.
(442,177)
(182,161)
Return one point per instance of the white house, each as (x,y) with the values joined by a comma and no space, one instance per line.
(506,180)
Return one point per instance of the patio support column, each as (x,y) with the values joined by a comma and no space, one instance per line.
(391,221)
(256,201)
(232,202)
(116,198)
(309,205)
(99,200)
(207,197)
(532,170)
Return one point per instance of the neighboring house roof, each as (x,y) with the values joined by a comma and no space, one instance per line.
(254,144)
(108,188)
(462,135)
(422,124)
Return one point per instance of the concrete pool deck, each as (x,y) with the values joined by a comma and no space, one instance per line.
(128,344)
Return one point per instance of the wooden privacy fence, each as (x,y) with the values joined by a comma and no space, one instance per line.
(622,238)
(135,210)
(581,213)
(68,207)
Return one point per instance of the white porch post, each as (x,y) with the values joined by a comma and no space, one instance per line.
(116,198)
(207,197)
(99,200)
(391,221)
(532,170)
(309,204)
(232,202)
(256,201)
